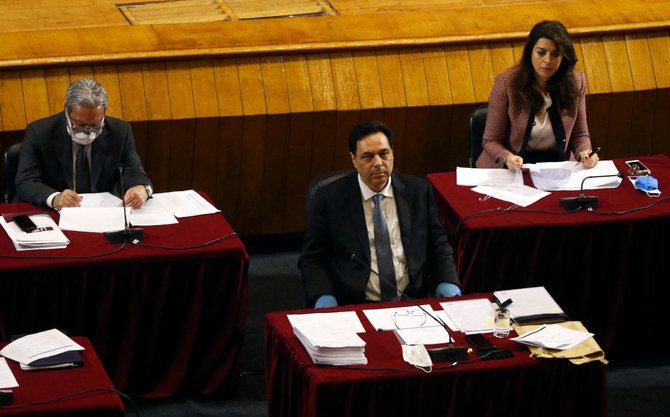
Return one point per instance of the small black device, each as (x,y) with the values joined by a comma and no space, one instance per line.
(24,223)
(637,168)
(481,344)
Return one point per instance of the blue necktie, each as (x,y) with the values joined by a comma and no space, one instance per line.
(82,172)
(384,252)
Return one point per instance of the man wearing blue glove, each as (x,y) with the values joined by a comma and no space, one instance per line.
(375,233)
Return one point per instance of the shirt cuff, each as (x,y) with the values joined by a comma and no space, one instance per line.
(50,200)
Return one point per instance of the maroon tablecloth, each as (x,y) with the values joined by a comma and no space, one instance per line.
(162,321)
(88,390)
(604,268)
(387,386)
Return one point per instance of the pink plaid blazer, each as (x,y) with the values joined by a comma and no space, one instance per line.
(507,120)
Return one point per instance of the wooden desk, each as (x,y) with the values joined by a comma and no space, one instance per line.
(162,321)
(90,391)
(602,268)
(388,387)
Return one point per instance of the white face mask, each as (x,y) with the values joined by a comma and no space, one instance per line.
(81,138)
(417,355)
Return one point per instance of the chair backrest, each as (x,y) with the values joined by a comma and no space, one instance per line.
(476,126)
(324,179)
(10,164)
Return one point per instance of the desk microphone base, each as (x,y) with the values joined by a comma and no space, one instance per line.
(581,202)
(125,235)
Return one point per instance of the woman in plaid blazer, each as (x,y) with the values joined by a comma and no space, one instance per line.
(537,111)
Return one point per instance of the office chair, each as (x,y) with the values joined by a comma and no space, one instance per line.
(476,126)
(10,164)
(324,179)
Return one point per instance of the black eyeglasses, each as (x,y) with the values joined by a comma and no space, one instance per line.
(77,128)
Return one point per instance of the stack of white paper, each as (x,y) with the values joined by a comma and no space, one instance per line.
(36,346)
(532,305)
(411,324)
(330,338)
(471,316)
(47,235)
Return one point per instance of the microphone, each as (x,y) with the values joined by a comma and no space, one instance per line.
(127,234)
(454,353)
(585,202)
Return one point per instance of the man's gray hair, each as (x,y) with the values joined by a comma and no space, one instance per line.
(85,93)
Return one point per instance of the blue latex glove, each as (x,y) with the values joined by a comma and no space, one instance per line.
(325,301)
(447,289)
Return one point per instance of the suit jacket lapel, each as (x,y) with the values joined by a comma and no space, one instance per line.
(63,149)
(403,209)
(99,151)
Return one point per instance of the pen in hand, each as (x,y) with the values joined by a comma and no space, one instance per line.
(593,152)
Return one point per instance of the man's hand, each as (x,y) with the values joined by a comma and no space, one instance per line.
(67,198)
(136,196)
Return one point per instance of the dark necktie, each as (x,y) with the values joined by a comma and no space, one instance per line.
(83,179)
(384,252)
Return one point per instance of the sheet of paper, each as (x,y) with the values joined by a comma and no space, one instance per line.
(100,200)
(553,336)
(185,203)
(529,301)
(401,317)
(155,212)
(433,335)
(92,219)
(471,316)
(488,176)
(40,345)
(7,379)
(521,196)
(344,319)
(567,176)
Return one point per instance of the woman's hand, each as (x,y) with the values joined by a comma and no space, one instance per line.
(586,160)
(513,162)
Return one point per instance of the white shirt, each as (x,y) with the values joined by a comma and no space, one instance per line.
(542,135)
(372,291)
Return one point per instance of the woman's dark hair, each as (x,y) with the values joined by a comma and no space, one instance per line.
(561,85)
(367,128)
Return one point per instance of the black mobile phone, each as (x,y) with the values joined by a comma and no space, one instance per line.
(24,223)
(480,342)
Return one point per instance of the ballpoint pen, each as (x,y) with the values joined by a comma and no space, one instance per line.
(593,152)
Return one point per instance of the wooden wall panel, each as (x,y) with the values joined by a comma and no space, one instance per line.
(34,89)
(660,142)
(251,83)
(203,82)
(437,76)
(618,66)
(460,78)
(325,143)
(659,45)
(502,57)
(367,80)
(595,66)
(640,137)
(481,65)
(228,89)
(391,79)
(321,82)
(229,172)
(156,91)
(250,185)
(641,66)
(57,80)
(180,90)
(205,155)
(414,78)
(182,162)
(299,174)
(274,85)
(133,95)
(11,101)
(598,115)
(344,81)
(298,83)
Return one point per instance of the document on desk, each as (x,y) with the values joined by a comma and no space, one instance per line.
(395,317)
(7,379)
(553,336)
(185,203)
(532,305)
(521,196)
(40,345)
(46,236)
(343,319)
(92,219)
(566,176)
(495,177)
(471,316)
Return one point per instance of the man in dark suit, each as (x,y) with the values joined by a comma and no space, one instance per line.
(359,246)
(54,167)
